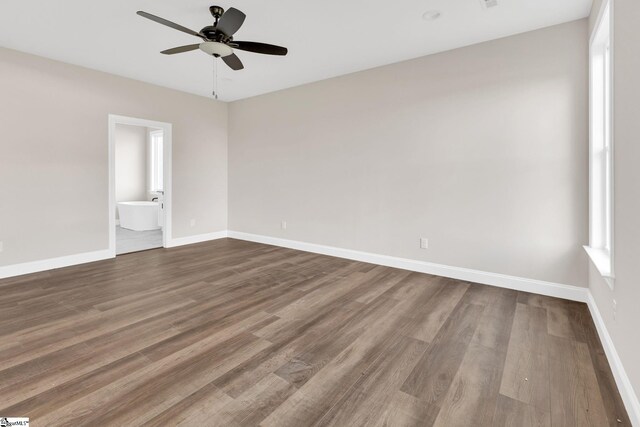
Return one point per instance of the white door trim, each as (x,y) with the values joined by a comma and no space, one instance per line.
(167,150)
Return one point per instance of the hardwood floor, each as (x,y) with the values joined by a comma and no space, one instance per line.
(231,333)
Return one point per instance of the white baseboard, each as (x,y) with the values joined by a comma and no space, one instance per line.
(181,241)
(67,261)
(494,279)
(558,290)
(52,263)
(629,397)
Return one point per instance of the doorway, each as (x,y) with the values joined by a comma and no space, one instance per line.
(139,184)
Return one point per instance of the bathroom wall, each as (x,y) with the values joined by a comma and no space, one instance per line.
(131,163)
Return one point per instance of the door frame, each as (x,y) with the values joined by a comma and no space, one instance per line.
(166,171)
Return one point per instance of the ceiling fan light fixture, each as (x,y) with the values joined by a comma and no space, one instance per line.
(216,48)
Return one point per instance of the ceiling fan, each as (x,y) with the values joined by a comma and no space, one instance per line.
(217,39)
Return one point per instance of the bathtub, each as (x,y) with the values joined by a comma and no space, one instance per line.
(139,216)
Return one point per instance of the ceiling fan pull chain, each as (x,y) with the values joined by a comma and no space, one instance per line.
(215,78)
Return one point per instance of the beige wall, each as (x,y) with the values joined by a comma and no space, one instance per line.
(131,163)
(53,155)
(482,149)
(623,328)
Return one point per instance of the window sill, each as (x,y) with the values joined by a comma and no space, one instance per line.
(601,259)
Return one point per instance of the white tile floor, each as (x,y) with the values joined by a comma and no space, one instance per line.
(133,241)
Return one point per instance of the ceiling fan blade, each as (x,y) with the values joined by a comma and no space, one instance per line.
(168,23)
(181,49)
(267,49)
(230,21)
(233,62)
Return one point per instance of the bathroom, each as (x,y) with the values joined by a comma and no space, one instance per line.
(139,188)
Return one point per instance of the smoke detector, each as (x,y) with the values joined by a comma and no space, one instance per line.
(488,4)
(431,15)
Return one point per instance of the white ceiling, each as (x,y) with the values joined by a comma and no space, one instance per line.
(325,38)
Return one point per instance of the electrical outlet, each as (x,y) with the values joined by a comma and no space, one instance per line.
(192,222)
(615,309)
(283,225)
(424,243)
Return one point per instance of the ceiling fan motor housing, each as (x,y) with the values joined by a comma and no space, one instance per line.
(211,33)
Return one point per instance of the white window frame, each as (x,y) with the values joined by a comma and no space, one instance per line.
(156,183)
(601,134)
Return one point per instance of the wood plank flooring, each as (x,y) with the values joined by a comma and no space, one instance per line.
(232,333)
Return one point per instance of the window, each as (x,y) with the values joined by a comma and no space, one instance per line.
(600,247)
(156,161)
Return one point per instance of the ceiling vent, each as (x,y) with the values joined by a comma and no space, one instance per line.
(488,4)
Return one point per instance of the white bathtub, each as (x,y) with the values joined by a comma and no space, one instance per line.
(139,216)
